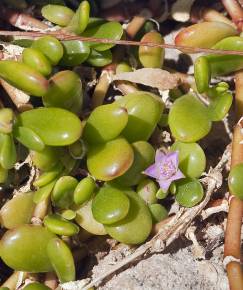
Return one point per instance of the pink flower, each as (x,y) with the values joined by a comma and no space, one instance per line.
(165,169)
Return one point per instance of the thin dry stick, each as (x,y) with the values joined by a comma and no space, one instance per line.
(62,36)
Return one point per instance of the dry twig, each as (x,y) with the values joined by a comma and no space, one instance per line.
(223,206)
(60,35)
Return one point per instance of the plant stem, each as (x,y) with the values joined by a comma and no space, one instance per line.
(101,89)
(41,209)
(239,94)
(104,81)
(235,276)
(209,14)
(62,36)
(235,11)
(232,246)
(135,25)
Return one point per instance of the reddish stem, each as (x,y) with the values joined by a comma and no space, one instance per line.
(235,11)
(135,25)
(239,94)
(232,245)
(235,276)
(62,36)
(209,14)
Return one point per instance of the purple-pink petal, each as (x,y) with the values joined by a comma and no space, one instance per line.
(159,156)
(164,184)
(152,171)
(178,175)
(165,169)
(173,157)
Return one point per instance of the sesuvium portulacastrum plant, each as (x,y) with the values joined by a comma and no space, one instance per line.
(98,170)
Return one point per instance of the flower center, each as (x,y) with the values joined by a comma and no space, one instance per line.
(167,170)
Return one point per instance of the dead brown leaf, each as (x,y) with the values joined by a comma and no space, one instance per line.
(152,77)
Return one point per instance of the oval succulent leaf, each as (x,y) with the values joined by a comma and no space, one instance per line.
(23,77)
(204,34)
(55,126)
(110,160)
(24,248)
(58,14)
(138,222)
(75,52)
(189,125)
(98,127)
(110,30)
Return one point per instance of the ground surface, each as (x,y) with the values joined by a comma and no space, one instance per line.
(178,271)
